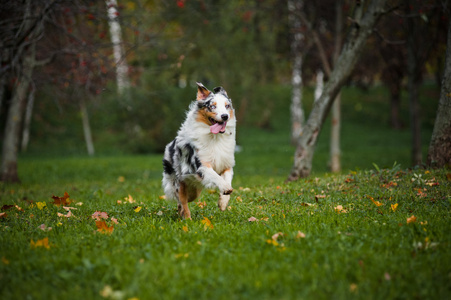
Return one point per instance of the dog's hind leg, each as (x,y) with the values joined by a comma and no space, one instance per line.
(224,198)
(183,202)
(187,193)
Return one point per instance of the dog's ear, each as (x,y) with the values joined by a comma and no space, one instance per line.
(202,91)
(220,90)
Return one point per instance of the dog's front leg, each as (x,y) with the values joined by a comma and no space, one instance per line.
(224,198)
(210,179)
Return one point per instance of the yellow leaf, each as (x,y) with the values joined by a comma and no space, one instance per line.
(138,208)
(412,219)
(40,243)
(375,202)
(5,261)
(207,223)
(394,206)
(41,205)
(272,242)
(185,228)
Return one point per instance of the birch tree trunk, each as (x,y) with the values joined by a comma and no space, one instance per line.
(335,152)
(439,154)
(297,113)
(86,127)
(351,52)
(122,79)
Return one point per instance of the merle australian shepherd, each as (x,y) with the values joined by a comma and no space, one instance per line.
(202,154)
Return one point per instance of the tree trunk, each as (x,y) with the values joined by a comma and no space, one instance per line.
(86,127)
(335,152)
(414,81)
(122,79)
(8,169)
(297,113)
(440,147)
(342,70)
(27,121)
(395,102)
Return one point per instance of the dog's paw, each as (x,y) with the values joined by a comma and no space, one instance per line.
(227,191)
(223,202)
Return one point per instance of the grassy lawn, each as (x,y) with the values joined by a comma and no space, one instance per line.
(378,231)
(330,236)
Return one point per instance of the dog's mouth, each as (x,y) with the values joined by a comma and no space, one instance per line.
(217,127)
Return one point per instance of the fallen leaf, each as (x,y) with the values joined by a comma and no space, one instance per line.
(68,215)
(207,223)
(387,276)
(3,215)
(162,197)
(300,235)
(272,242)
(185,228)
(40,243)
(353,287)
(129,199)
(137,209)
(6,206)
(317,197)
(109,293)
(307,204)
(159,213)
(114,220)
(394,206)
(102,227)
(377,203)
(79,203)
(252,219)
(5,261)
(62,200)
(121,179)
(68,208)
(201,204)
(41,205)
(44,227)
(412,219)
(275,236)
(340,209)
(98,215)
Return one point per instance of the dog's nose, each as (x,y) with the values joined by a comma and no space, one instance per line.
(224,117)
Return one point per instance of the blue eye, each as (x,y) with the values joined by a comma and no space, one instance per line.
(228,106)
(213,107)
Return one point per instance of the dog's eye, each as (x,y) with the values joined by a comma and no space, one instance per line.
(213,107)
(228,106)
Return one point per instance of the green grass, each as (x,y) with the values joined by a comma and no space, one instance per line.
(367,252)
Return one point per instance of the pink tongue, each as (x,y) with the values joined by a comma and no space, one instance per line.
(217,128)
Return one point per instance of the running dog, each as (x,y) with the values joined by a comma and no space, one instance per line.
(202,154)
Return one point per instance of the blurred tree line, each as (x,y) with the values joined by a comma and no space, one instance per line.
(57,58)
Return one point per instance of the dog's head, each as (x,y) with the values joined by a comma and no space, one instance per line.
(214,108)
